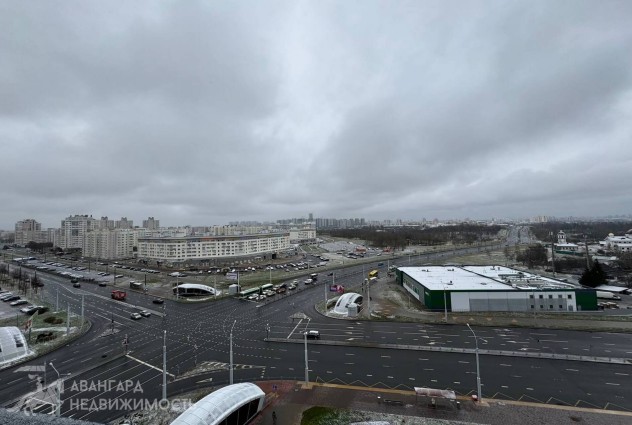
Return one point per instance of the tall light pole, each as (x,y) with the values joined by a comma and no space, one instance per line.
(445,306)
(553,253)
(57,391)
(306,361)
(164,366)
(231,354)
(478,369)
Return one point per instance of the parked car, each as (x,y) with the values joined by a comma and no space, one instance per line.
(158,301)
(291,287)
(103,284)
(18,302)
(11,298)
(76,284)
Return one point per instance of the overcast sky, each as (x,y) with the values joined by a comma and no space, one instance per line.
(201,113)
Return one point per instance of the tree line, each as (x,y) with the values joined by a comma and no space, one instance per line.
(575,231)
(383,237)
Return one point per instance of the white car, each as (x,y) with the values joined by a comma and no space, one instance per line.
(135,316)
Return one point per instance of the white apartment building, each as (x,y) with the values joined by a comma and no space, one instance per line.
(151,224)
(304,234)
(180,249)
(111,244)
(74,229)
(618,243)
(26,231)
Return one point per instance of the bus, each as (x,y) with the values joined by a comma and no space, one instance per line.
(247,292)
(373,274)
(266,287)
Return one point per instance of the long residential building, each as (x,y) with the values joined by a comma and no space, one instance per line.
(181,249)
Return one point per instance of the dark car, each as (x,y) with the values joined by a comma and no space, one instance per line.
(312,335)
(158,301)
(102,284)
(76,284)
(11,298)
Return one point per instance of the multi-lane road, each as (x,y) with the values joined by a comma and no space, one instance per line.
(381,354)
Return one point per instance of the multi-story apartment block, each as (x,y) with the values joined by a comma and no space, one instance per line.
(104,223)
(181,249)
(111,243)
(124,223)
(29,230)
(74,229)
(151,224)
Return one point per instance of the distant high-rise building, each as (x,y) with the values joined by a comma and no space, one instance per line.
(311,217)
(74,229)
(29,230)
(151,224)
(124,223)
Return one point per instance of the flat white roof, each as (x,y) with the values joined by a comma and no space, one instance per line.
(611,288)
(522,280)
(481,278)
(438,278)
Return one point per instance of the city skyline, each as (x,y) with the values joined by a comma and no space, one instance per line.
(203,114)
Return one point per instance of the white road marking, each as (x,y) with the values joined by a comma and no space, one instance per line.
(610,383)
(148,365)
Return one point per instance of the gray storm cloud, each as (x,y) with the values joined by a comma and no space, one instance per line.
(202,113)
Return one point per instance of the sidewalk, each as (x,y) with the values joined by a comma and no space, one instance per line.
(291,399)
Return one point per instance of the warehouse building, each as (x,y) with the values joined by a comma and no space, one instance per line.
(492,288)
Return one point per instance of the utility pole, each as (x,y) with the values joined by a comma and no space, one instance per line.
(57,302)
(68,320)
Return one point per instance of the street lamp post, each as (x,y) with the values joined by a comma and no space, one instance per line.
(231,353)
(445,306)
(478,370)
(306,360)
(57,391)
(164,366)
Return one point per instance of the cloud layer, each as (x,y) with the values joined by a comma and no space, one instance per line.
(205,112)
